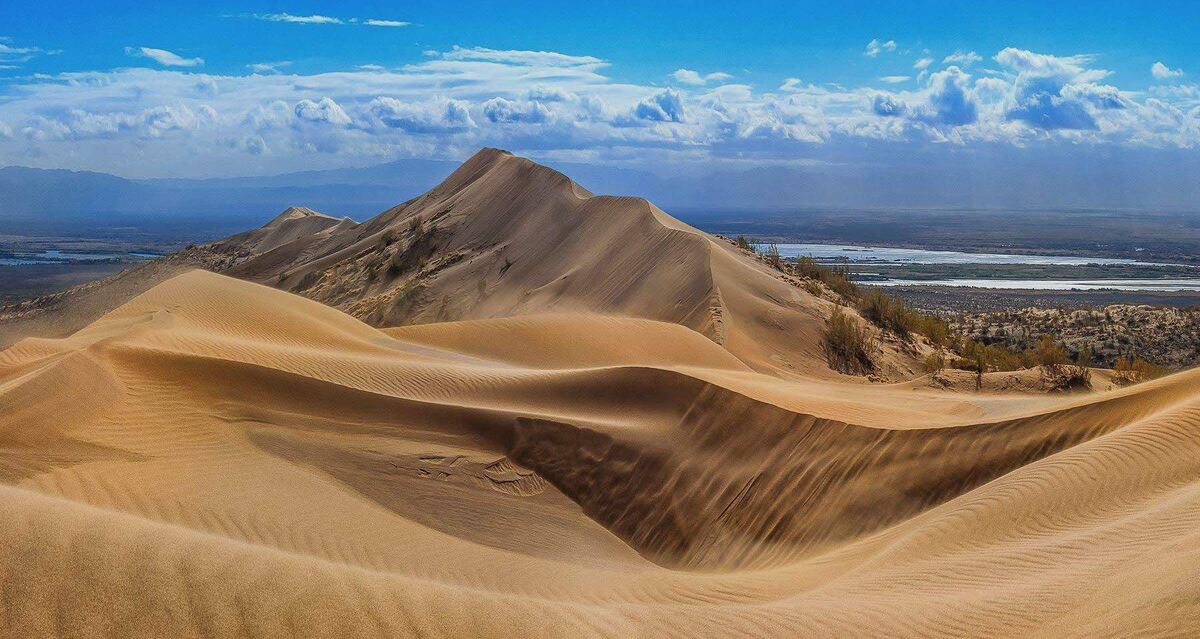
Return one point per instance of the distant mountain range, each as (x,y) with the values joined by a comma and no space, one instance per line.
(54,199)
(57,198)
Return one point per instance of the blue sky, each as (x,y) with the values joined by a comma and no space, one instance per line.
(174,89)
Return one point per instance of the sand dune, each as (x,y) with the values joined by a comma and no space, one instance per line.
(511,407)
(219,458)
(504,237)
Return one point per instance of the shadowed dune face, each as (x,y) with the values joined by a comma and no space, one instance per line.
(216,457)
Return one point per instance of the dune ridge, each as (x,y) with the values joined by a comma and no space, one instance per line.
(217,457)
(503,236)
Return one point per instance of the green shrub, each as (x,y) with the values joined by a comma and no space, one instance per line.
(888,311)
(1049,354)
(935,329)
(848,344)
(837,278)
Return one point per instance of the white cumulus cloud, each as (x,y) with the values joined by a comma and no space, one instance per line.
(323,110)
(1161,71)
(438,116)
(563,105)
(661,107)
(694,78)
(508,111)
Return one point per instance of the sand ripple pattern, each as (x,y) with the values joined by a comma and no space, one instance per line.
(219,458)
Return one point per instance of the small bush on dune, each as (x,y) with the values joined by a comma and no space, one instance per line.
(771,255)
(1049,354)
(889,312)
(1071,377)
(837,278)
(935,329)
(848,344)
(1060,371)
(934,362)
(977,356)
(1131,370)
(807,267)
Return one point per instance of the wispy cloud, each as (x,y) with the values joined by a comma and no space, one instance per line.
(517,57)
(373,22)
(922,64)
(694,78)
(876,46)
(894,79)
(11,57)
(269,67)
(1161,71)
(11,50)
(961,58)
(294,19)
(322,19)
(164,57)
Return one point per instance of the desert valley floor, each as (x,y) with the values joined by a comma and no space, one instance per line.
(510,408)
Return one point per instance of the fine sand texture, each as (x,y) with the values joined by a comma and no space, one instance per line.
(648,444)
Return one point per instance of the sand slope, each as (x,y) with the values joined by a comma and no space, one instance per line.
(504,237)
(219,458)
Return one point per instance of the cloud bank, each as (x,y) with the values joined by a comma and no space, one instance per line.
(566,106)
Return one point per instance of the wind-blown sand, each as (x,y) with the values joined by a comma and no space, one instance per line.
(220,458)
(584,419)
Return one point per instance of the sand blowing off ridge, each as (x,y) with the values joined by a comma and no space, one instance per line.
(591,444)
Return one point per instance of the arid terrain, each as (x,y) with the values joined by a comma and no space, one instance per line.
(1166,336)
(508,407)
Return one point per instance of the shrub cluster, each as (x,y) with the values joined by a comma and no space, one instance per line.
(1131,370)
(892,312)
(837,278)
(848,344)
